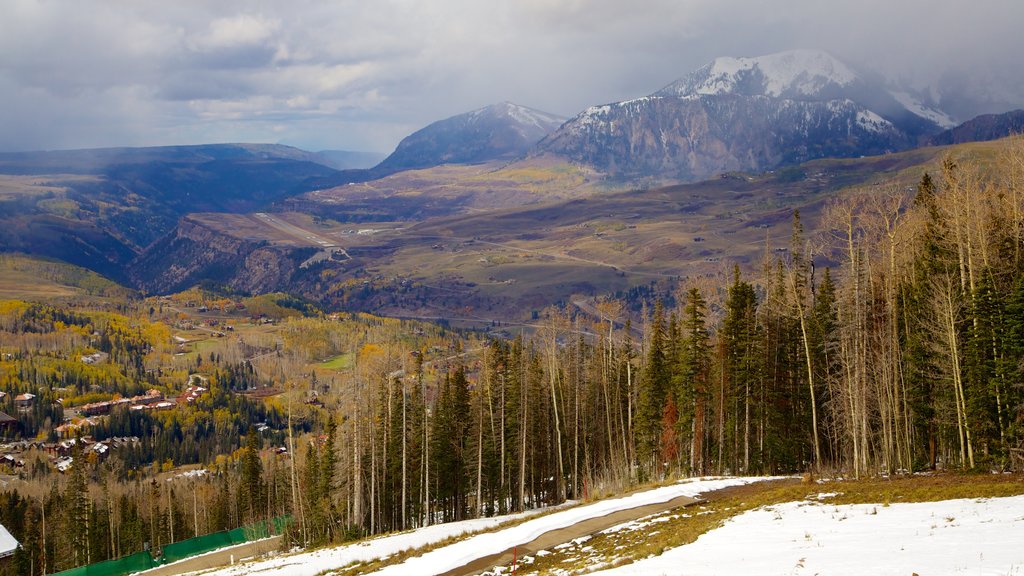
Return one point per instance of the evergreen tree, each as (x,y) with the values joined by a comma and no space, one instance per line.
(653,387)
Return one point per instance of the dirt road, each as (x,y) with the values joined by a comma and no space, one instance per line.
(562,535)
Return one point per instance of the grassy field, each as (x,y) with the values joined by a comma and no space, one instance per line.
(339,362)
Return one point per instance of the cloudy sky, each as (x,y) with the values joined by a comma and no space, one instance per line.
(360,75)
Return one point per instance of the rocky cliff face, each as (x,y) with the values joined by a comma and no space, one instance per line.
(194,252)
(694,138)
(745,114)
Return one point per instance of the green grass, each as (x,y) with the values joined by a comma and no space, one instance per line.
(339,362)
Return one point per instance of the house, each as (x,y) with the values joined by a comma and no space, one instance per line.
(11,462)
(24,401)
(8,545)
(8,424)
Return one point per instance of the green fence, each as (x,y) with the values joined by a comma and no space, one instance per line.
(199,545)
(127,565)
(183,549)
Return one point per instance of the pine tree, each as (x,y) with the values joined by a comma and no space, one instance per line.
(653,387)
(693,365)
(742,366)
(251,487)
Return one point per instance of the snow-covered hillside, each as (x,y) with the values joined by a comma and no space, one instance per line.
(979,536)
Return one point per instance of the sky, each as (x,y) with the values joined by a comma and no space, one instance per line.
(361,75)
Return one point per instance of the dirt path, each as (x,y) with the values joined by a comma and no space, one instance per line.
(218,558)
(562,535)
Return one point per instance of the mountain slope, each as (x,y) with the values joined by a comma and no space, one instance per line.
(984,127)
(746,114)
(499,131)
(100,208)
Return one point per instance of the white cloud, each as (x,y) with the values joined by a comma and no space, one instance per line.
(236,31)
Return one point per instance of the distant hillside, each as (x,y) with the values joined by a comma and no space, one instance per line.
(499,131)
(349,160)
(99,208)
(982,128)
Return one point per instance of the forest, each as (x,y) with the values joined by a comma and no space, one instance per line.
(888,339)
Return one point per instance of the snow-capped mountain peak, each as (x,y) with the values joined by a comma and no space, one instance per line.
(794,74)
(520,115)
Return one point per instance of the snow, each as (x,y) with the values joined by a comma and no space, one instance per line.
(975,536)
(312,563)
(915,106)
(872,122)
(522,115)
(460,553)
(803,72)
(7,542)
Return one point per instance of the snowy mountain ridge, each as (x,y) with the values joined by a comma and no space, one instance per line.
(748,114)
(798,75)
(805,74)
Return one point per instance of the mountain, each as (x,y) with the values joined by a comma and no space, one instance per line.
(496,132)
(747,114)
(100,208)
(348,159)
(984,127)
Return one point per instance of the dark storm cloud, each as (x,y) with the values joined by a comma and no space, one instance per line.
(363,74)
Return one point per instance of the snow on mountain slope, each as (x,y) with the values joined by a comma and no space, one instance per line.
(794,73)
(521,115)
(928,113)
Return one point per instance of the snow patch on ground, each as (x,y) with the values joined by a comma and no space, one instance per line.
(311,563)
(473,547)
(460,553)
(969,536)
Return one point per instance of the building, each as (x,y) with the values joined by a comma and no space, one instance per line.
(8,544)
(8,424)
(24,401)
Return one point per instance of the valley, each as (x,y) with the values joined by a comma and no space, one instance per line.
(614,339)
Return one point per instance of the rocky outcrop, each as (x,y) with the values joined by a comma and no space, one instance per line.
(195,252)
